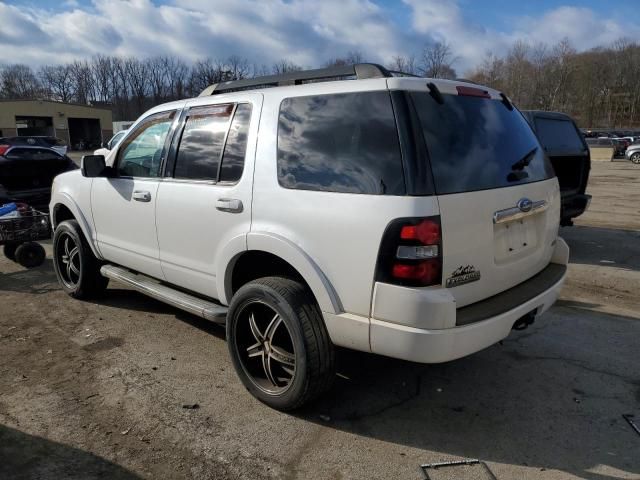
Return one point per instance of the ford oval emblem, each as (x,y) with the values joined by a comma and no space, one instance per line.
(525,205)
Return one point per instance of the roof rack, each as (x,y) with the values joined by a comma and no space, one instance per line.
(359,70)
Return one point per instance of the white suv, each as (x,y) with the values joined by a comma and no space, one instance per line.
(407,217)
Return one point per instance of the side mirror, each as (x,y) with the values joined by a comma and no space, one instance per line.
(94,166)
(105,145)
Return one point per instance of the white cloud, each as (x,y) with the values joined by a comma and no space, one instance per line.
(306,32)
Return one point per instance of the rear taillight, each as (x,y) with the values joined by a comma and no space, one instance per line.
(411,253)
(4,148)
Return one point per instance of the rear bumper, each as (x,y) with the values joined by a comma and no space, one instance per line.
(426,331)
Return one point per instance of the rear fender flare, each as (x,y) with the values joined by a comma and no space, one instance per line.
(288,251)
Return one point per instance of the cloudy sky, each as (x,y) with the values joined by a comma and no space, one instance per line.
(306,32)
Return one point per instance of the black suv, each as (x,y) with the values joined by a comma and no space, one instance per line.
(570,157)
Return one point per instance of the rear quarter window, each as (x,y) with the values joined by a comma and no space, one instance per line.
(345,143)
(477,143)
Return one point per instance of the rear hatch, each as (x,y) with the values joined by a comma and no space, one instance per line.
(30,168)
(565,147)
(497,193)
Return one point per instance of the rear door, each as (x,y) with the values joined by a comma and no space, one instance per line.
(498,197)
(204,202)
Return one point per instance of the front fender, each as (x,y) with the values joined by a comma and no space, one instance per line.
(63,198)
(294,256)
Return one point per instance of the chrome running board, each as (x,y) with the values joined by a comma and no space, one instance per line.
(143,284)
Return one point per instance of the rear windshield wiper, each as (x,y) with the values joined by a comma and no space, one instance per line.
(524,161)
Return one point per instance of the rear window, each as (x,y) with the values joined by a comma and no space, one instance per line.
(558,135)
(344,143)
(32,154)
(478,144)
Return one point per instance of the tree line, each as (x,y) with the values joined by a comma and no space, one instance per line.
(600,87)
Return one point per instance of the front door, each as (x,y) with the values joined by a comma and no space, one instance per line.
(204,202)
(124,205)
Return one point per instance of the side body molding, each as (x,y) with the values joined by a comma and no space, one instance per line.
(275,244)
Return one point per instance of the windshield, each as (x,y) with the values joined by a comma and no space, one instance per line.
(477,144)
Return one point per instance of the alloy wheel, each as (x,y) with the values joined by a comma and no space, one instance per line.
(265,348)
(68,259)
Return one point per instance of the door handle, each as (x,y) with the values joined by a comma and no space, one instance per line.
(141,196)
(231,205)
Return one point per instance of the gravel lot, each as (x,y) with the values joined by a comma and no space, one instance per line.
(98,390)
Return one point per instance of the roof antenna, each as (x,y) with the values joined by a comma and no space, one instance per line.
(435,92)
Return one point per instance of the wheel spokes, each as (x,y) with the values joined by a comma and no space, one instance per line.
(255,331)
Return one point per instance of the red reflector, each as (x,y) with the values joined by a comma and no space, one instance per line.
(426,232)
(426,272)
(4,148)
(473,92)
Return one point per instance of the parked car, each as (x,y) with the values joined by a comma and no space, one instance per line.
(620,146)
(27,172)
(111,144)
(570,157)
(633,153)
(309,215)
(54,143)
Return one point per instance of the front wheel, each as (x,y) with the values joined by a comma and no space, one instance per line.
(635,158)
(77,269)
(278,342)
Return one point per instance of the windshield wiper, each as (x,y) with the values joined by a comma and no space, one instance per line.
(524,161)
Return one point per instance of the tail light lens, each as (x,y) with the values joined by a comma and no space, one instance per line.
(411,253)
(4,148)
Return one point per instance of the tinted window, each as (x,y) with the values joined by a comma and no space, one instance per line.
(141,152)
(236,146)
(340,143)
(558,135)
(477,143)
(202,141)
(32,154)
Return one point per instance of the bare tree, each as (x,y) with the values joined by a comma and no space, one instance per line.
(18,81)
(57,82)
(284,66)
(405,64)
(352,57)
(437,61)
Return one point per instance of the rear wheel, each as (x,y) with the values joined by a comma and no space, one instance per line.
(278,342)
(635,158)
(10,250)
(77,269)
(30,254)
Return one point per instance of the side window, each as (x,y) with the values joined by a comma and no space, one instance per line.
(202,142)
(236,147)
(141,153)
(213,144)
(340,143)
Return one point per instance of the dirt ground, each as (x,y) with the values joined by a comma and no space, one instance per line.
(98,389)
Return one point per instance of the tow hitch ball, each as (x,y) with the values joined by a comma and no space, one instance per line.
(524,321)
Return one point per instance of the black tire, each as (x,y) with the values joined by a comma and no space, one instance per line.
(635,158)
(30,254)
(77,269)
(10,250)
(313,353)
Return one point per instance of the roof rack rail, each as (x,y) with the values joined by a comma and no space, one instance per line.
(358,70)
